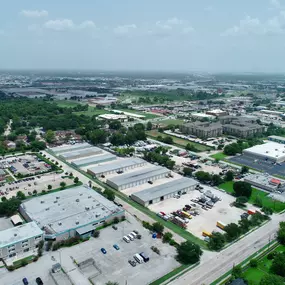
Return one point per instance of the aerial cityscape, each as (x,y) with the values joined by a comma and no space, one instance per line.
(142,147)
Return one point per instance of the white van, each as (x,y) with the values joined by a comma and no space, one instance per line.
(130,237)
(126,239)
(138,258)
(134,235)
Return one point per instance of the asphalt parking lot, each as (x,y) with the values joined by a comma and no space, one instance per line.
(114,266)
(261,165)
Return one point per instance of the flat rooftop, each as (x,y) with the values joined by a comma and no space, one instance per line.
(270,150)
(116,165)
(69,209)
(81,152)
(65,148)
(19,233)
(277,138)
(141,174)
(165,189)
(94,159)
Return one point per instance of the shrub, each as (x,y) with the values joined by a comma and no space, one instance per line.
(147,225)
(96,234)
(155,249)
(253,263)
(116,220)
(167,237)
(271,255)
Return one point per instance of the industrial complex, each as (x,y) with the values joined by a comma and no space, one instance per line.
(164,191)
(79,153)
(114,166)
(73,212)
(94,160)
(138,177)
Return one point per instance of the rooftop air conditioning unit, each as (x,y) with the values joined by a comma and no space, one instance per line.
(89,197)
(55,201)
(60,223)
(57,197)
(47,209)
(77,200)
(42,202)
(77,223)
(87,208)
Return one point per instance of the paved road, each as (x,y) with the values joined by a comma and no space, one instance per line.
(210,270)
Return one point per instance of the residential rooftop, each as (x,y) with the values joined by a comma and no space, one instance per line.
(19,233)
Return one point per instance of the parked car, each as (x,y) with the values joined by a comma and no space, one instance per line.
(116,247)
(39,281)
(103,250)
(150,182)
(132,263)
(114,227)
(25,281)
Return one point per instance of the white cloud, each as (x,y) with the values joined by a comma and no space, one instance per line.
(124,29)
(87,25)
(59,25)
(275,3)
(249,25)
(188,30)
(68,25)
(2,32)
(34,13)
(174,21)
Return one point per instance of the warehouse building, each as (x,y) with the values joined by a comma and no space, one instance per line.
(164,191)
(277,139)
(266,182)
(69,213)
(81,153)
(20,240)
(119,165)
(61,149)
(138,177)
(270,151)
(94,160)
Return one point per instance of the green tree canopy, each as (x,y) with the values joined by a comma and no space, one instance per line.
(242,188)
(188,252)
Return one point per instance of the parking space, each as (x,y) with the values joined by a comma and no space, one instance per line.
(24,164)
(114,266)
(260,164)
(205,219)
(30,184)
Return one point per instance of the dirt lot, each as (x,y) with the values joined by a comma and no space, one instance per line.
(39,183)
(24,164)
(207,219)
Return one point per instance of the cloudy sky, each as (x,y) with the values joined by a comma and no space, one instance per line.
(167,35)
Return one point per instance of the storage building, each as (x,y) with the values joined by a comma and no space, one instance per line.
(77,211)
(270,151)
(20,240)
(119,165)
(135,178)
(277,139)
(94,160)
(61,149)
(81,153)
(164,191)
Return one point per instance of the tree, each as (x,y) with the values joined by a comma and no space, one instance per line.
(281,233)
(233,231)
(236,272)
(278,264)
(109,194)
(116,220)
(188,252)
(244,225)
(229,176)
(220,146)
(20,195)
(96,234)
(149,126)
(115,125)
(217,180)
(244,170)
(35,192)
(50,136)
(62,184)
(203,176)
(217,241)
(158,227)
(167,237)
(241,201)
(76,180)
(49,187)
(253,263)
(270,279)
(187,171)
(242,188)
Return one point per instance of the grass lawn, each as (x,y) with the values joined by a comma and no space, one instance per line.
(147,115)
(219,156)
(254,275)
(277,206)
(92,112)
(178,141)
(27,259)
(171,122)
